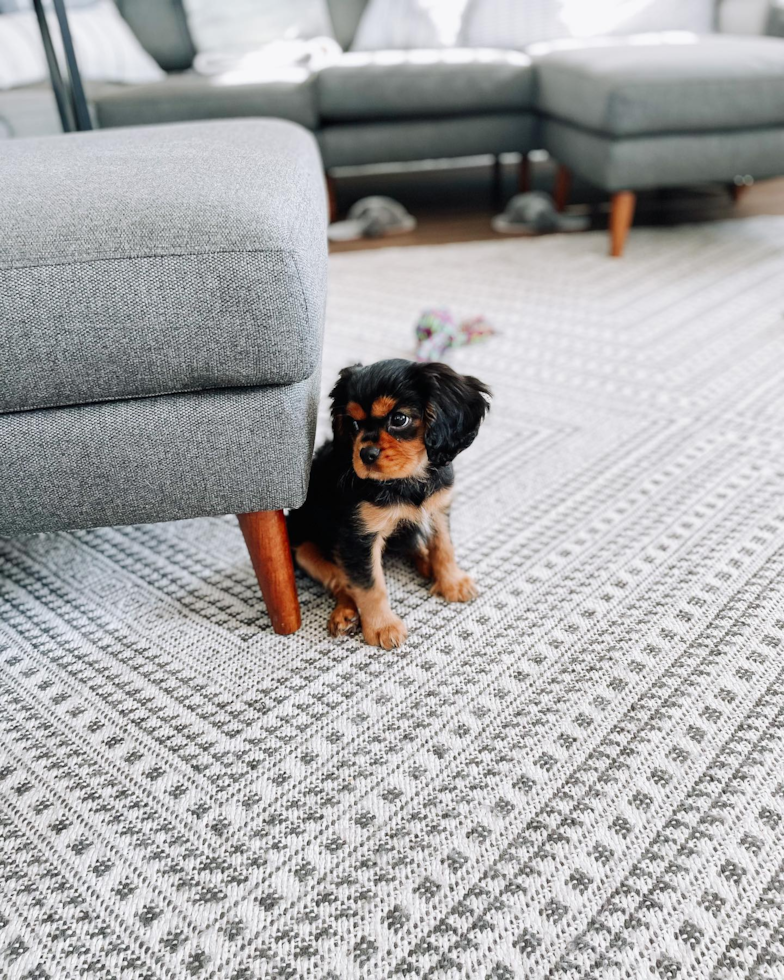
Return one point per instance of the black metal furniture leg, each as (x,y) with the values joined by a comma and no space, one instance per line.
(69,95)
(60,89)
(81,111)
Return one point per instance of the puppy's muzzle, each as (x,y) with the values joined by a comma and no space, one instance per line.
(369,455)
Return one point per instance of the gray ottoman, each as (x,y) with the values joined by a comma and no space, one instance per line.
(633,113)
(161,313)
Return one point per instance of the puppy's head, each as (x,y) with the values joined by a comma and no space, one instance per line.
(395,418)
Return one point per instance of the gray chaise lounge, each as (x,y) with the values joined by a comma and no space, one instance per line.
(627,116)
(161,312)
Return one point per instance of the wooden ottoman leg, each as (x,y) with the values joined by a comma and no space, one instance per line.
(621,217)
(268,543)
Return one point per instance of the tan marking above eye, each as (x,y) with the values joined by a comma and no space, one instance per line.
(382,406)
(356,411)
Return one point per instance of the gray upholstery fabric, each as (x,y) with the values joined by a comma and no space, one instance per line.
(633,87)
(775,22)
(162,29)
(152,459)
(139,262)
(403,84)
(32,111)
(179,98)
(665,160)
(345,16)
(355,144)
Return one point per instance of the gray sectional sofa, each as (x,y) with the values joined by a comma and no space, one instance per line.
(622,114)
(370,107)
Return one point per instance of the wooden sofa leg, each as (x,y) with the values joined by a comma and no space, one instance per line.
(621,217)
(563,187)
(737,191)
(268,543)
(524,175)
(498,182)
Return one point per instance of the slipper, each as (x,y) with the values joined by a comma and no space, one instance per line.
(535,214)
(372,217)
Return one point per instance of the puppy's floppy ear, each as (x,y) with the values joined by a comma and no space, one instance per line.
(339,396)
(456,405)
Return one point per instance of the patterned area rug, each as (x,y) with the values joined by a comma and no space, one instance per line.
(580,774)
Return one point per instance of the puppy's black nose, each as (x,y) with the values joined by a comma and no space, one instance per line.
(369,454)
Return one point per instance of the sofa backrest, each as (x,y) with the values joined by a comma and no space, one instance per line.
(744,16)
(345,15)
(162,29)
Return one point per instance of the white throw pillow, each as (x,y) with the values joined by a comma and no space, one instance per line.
(227,26)
(405,24)
(107,50)
(516,24)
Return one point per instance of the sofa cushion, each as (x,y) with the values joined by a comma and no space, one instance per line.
(665,159)
(399,140)
(345,16)
(406,84)
(162,28)
(159,260)
(31,110)
(663,83)
(287,93)
(151,459)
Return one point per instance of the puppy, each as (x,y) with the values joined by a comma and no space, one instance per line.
(385,479)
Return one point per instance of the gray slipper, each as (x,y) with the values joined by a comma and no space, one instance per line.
(535,214)
(372,217)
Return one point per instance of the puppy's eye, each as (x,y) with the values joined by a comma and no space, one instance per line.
(353,424)
(399,421)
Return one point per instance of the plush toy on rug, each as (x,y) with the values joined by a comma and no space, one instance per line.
(437,332)
(535,213)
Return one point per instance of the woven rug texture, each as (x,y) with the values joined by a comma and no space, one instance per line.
(580,774)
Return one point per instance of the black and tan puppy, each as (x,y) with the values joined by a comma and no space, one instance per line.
(386,480)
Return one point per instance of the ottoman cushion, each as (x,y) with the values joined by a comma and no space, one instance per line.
(663,83)
(407,84)
(168,259)
(288,94)
(150,459)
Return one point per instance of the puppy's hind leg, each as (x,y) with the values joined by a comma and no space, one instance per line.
(420,555)
(344,618)
(412,541)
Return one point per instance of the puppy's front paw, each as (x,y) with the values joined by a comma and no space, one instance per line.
(343,621)
(455,588)
(388,634)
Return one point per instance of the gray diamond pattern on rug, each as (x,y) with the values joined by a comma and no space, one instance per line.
(578,775)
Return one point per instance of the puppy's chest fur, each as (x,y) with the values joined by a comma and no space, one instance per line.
(386,520)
